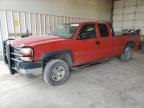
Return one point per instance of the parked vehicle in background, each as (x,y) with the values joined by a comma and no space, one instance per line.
(69,45)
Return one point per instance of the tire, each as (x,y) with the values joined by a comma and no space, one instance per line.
(56,72)
(127,54)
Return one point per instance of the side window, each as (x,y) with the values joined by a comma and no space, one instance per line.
(103,30)
(87,32)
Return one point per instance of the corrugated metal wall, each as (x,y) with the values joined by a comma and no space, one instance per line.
(128,14)
(36,23)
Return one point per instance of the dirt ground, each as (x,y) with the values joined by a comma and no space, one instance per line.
(107,85)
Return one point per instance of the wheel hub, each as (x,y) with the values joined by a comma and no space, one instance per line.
(58,73)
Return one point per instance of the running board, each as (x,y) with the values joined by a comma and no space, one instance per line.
(89,64)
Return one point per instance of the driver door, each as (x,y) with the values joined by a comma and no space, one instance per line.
(86,44)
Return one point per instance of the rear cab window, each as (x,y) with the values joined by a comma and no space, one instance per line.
(103,30)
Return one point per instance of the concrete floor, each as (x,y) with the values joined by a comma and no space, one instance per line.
(108,85)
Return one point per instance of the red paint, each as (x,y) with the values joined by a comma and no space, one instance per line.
(84,51)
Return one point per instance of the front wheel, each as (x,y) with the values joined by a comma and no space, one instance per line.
(56,72)
(127,54)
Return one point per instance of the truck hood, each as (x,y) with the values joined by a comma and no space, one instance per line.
(35,40)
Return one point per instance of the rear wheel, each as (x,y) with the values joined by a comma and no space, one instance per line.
(56,72)
(127,54)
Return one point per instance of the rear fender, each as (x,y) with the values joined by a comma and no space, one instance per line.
(130,43)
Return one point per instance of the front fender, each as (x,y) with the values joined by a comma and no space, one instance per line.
(59,54)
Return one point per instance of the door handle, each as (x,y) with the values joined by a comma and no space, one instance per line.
(97,42)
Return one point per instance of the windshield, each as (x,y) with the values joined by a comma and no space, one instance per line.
(65,30)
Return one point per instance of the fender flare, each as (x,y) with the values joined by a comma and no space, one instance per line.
(59,54)
(132,43)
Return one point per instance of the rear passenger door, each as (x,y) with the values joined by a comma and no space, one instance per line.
(105,40)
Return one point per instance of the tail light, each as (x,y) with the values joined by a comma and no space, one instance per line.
(26,54)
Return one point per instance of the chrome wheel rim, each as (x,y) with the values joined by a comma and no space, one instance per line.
(58,73)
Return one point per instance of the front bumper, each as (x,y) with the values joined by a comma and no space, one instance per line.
(11,58)
(30,68)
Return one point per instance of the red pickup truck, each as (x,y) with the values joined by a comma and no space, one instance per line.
(69,45)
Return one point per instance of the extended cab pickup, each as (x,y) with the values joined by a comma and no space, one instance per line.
(69,45)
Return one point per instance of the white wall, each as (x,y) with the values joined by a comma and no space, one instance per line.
(100,9)
(37,15)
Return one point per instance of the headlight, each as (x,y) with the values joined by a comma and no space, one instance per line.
(27,54)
